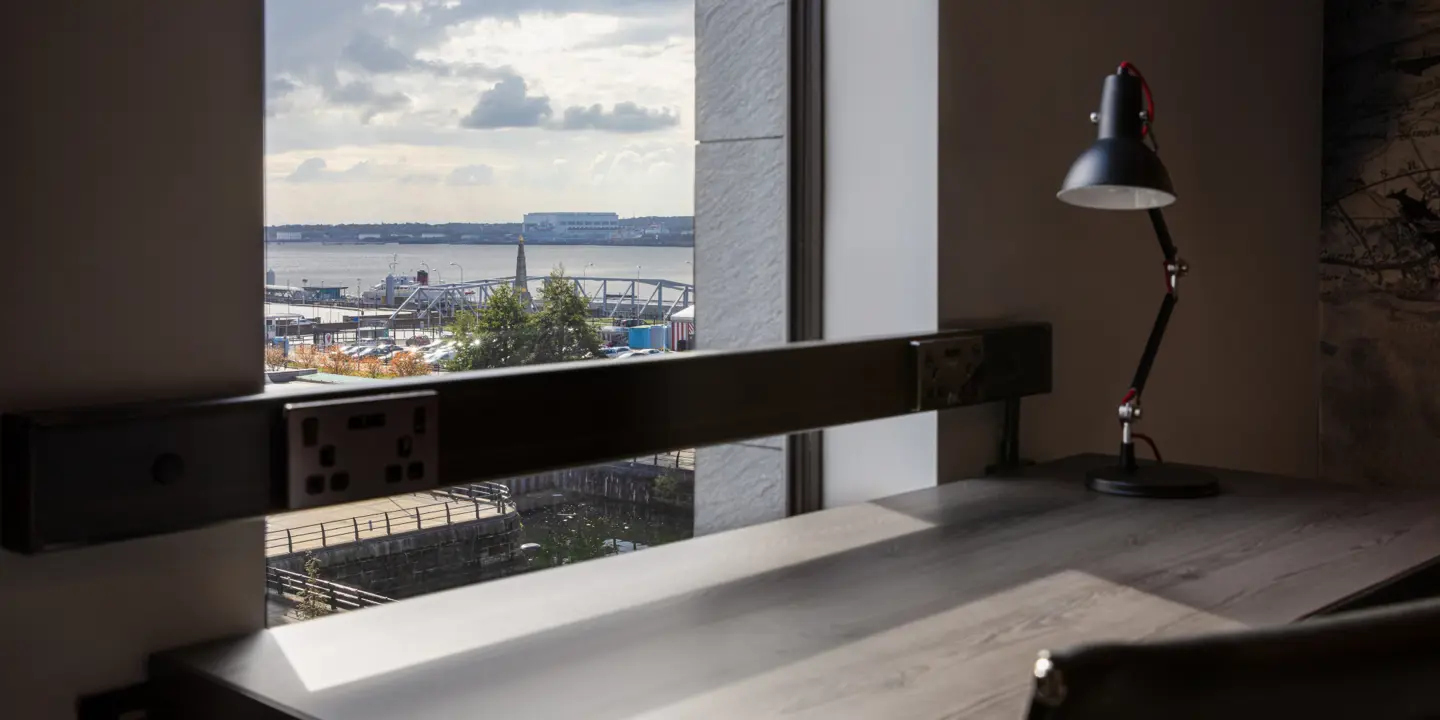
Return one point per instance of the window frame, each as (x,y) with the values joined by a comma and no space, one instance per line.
(804,452)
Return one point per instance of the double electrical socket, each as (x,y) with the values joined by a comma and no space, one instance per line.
(345,450)
(945,370)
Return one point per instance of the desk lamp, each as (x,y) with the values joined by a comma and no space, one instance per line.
(1121,172)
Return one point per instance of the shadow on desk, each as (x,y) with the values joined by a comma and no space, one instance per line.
(930,604)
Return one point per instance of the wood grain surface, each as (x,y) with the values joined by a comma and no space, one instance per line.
(931,604)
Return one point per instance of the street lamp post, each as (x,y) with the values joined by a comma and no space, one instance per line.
(462,271)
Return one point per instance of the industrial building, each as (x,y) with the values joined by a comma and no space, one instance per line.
(571,225)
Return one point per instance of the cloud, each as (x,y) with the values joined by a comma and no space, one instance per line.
(311,170)
(506,105)
(361,94)
(316,170)
(279,87)
(471,175)
(625,117)
(660,31)
(276,92)
(418,179)
(306,39)
(640,160)
(374,55)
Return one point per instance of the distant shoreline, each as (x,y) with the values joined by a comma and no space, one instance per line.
(687,241)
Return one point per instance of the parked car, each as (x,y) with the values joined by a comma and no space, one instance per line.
(379,351)
(442,357)
(639,353)
(614,352)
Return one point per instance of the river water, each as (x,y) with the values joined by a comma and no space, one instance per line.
(332,265)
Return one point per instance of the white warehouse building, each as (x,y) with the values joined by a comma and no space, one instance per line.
(565,224)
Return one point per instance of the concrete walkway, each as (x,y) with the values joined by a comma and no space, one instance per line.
(339,524)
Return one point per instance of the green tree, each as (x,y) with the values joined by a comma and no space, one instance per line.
(500,335)
(578,534)
(562,327)
(311,601)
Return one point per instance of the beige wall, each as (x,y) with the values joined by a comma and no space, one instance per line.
(1238,91)
(133,135)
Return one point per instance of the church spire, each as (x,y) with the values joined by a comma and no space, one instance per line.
(522,287)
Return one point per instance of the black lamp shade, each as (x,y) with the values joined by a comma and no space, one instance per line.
(1119,172)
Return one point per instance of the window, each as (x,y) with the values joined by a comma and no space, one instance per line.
(456,187)
(171,93)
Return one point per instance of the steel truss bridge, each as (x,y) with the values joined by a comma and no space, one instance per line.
(608,297)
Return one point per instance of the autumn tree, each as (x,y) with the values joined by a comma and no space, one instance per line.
(306,356)
(370,367)
(562,327)
(409,364)
(338,363)
(275,357)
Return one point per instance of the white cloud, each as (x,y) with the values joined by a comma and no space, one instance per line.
(378,93)
(508,104)
(471,175)
(625,117)
(316,170)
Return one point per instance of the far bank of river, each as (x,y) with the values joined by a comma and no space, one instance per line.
(346,265)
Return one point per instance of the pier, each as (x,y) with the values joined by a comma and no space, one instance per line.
(428,308)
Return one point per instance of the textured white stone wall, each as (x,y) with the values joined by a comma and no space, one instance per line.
(741,104)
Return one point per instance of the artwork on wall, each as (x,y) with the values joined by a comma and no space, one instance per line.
(1380,243)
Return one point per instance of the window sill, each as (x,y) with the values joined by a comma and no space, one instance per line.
(929,603)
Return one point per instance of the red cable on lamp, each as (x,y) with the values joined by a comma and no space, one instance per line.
(1149,99)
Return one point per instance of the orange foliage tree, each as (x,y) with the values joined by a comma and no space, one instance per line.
(370,367)
(338,363)
(409,364)
(306,356)
(275,357)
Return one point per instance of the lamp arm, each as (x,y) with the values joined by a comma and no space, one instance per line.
(1130,407)
(1162,233)
(1152,346)
(1174,268)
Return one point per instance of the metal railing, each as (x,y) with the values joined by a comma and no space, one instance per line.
(680,459)
(483,499)
(496,494)
(293,585)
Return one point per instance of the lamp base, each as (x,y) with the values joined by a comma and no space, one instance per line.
(1151,480)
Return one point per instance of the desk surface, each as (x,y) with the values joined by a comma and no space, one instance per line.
(931,604)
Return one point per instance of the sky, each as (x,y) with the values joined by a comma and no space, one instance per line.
(477,110)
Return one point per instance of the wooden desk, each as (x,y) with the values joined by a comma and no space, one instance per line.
(931,604)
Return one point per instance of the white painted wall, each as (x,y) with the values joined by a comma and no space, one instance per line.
(135,137)
(882,142)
